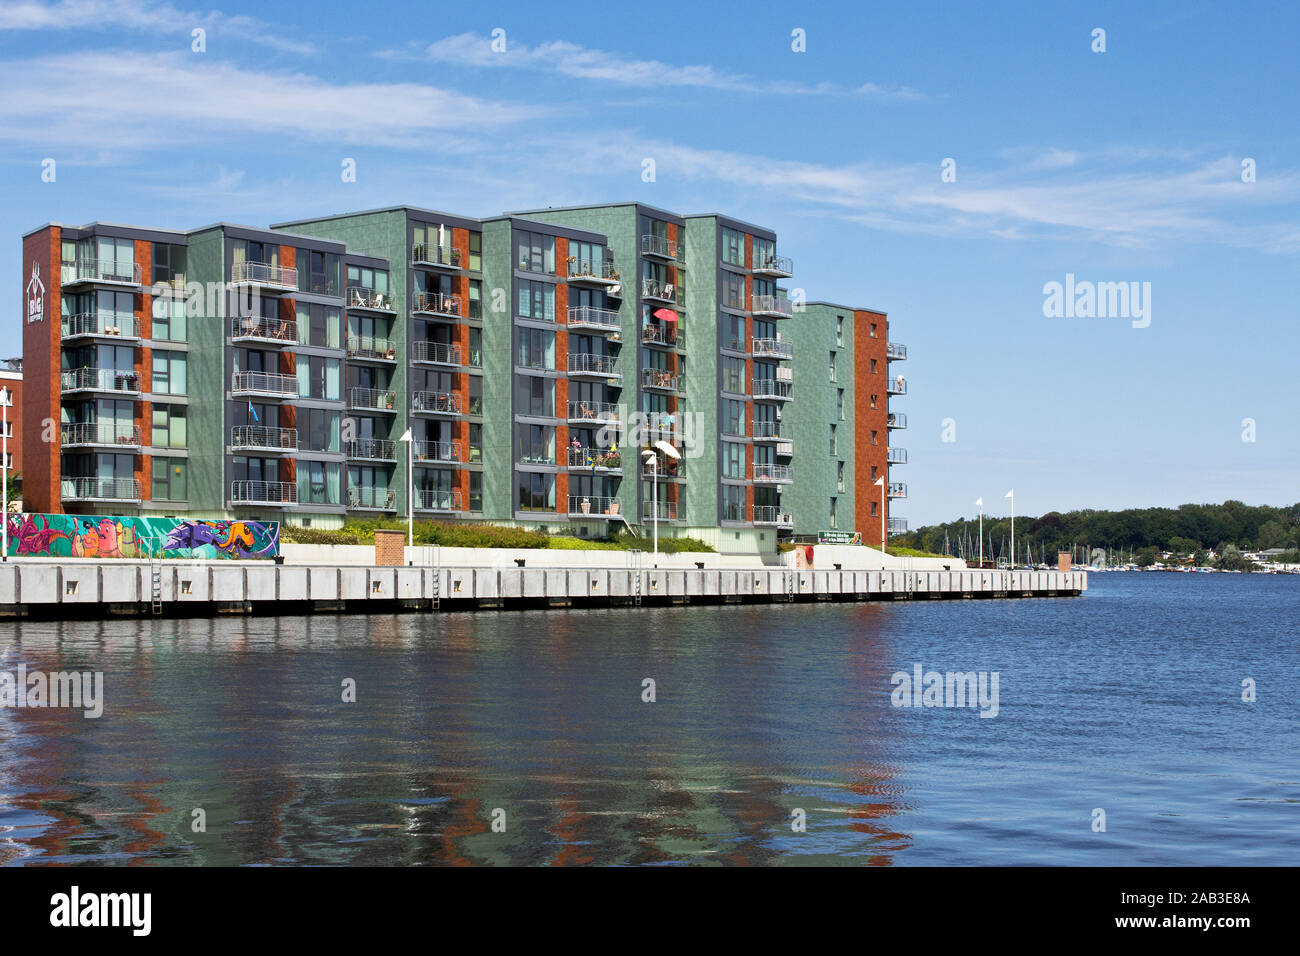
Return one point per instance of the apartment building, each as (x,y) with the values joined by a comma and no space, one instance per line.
(11,383)
(516,367)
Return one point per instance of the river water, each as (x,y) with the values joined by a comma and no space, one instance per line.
(772,737)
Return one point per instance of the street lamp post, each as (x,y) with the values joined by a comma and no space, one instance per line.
(881,482)
(5,402)
(1012,495)
(652,460)
(980,502)
(410,487)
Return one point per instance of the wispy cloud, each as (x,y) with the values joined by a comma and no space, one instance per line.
(569,59)
(140,16)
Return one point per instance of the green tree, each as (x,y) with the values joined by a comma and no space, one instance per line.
(1232,560)
(1147,556)
(1272,534)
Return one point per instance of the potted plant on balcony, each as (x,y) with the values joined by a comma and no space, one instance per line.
(388,400)
(613,507)
(586,506)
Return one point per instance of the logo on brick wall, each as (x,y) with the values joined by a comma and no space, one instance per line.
(36,296)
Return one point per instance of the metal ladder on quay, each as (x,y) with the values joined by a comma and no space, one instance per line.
(155,577)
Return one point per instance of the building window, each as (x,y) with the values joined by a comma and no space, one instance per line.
(834,443)
(168,319)
(733,503)
(537,301)
(832,364)
(168,373)
(475,477)
(168,263)
(839,403)
(534,252)
(874,512)
(476,264)
(839,477)
(536,349)
(873,366)
(733,376)
(733,290)
(834,516)
(839,331)
(169,476)
(733,417)
(168,426)
(873,401)
(873,437)
(733,459)
(536,491)
(476,298)
(535,396)
(873,330)
(874,476)
(733,247)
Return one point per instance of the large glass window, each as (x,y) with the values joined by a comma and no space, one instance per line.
(168,373)
(536,492)
(536,444)
(534,252)
(169,479)
(537,301)
(168,264)
(733,417)
(733,247)
(733,503)
(169,426)
(733,459)
(733,375)
(536,349)
(168,318)
(534,396)
(476,252)
(319,377)
(733,290)
(319,482)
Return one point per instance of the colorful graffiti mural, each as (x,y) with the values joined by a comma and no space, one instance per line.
(93,536)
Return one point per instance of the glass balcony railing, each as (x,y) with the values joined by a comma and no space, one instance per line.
(423,254)
(589,317)
(771,389)
(771,305)
(665,511)
(109,271)
(772,515)
(371,498)
(264,438)
(897,489)
(769,431)
(359,297)
(773,265)
(103,324)
(584,270)
(654,289)
(897,525)
(773,348)
(896,456)
(776,474)
(99,380)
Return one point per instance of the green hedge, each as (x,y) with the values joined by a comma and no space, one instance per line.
(292,534)
(455,535)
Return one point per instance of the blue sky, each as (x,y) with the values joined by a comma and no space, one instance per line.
(1117,166)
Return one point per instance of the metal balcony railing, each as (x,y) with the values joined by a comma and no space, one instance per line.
(584,270)
(115,434)
(264,274)
(660,246)
(654,289)
(99,270)
(436,451)
(433,499)
(264,438)
(595,458)
(106,324)
(897,386)
(263,492)
(768,431)
(589,317)
(359,297)
(896,456)
(897,489)
(435,403)
(896,420)
(771,305)
(580,506)
(772,515)
(264,383)
(435,303)
(668,468)
(774,348)
(436,353)
(259,328)
(659,334)
(586,363)
(424,254)
(100,489)
(782,474)
(773,265)
(771,388)
(897,525)
(895,351)
(371,347)
(378,399)
(372,449)
(99,380)
(370,498)
(659,379)
(597,412)
(666,511)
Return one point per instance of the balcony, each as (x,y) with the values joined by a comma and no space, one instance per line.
(785,449)
(258,328)
(659,380)
(771,389)
(435,403)
(898,526)
(594,413)
(669,469)
(897,386)
(433,499)
(587,506)
(435,257)
(593,273)
(264,385)
(896,352)
(595,459)
(664,511)
(436,353)
(99,271)
(100,380)
(897,489)
(769,431)
(372,449)
(661,247)
(264,438)
(265,275)
(371,348)
(598,320)
(778,266)
(773,474)
(436,452)
(437,304)
(101,325)
(368,300)
(661,425)
(100,489)
(277,493)
(660,291)
(895,420)
(103,434)
(771,305)
(772,516)
(372,399)
(665,335)
(369,498)
(588,365)
(773,348)
(896,456)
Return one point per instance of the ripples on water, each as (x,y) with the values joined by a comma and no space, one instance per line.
(1127,699)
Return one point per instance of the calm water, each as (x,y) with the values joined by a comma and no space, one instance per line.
(1128,699)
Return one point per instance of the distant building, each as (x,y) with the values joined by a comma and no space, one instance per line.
(11,378)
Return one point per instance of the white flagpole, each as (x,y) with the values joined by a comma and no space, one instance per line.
(980,502)
(1012,495)
(881,482)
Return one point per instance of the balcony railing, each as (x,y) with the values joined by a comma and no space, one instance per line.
(435,303)
(105,324)
(897,525)
(370,498)
(666,511)
(771,305)
(897,386)
(895,351)
(264,383)
(771,388)
(772,515)
(660,246)
(654,289)
(258,328)
(108,433)
(595,458)
(436,451)
(263,492)
(581,506)
(372,347)
(596,412)
(264,438)
(585,270)
(896,456)
(774,348)
(372,449)
(897,489)
(99,270)
(264,274)
(768,431)
(359,297)
(668,468)
(377,399)
(432,499)
(423,254)
(896,420)
(589,317)
(659,379)
(773,265)
(780,474)
(659,335)
(785,449)
(436,353)
(100,489)
(435,403)
(99,380)
(598,366)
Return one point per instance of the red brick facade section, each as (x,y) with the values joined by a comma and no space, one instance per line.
(867,419)
(41,461)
